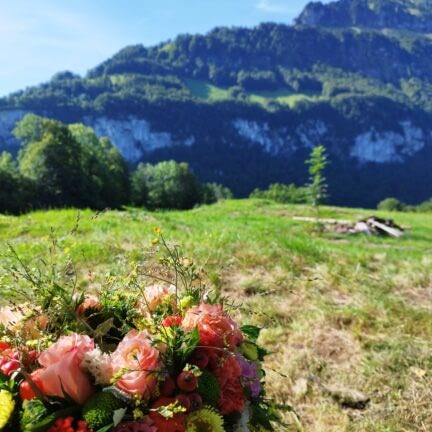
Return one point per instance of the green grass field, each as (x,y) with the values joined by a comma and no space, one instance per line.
(352,311)
(205,90)
(284,97)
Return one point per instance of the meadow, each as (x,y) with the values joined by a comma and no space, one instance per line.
(205,90)
(341,314)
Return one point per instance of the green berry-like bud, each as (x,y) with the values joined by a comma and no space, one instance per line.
(99,410)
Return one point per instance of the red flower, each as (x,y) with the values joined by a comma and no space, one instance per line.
(227,369)
(66,425)
(175,424)
(228,374)
(26,391)
(172,320)
(232,398)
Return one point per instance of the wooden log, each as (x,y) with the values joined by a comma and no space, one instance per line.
(323,221)
(393,232)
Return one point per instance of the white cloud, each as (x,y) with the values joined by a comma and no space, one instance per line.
(278,7)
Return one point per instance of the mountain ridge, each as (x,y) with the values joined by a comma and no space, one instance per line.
(412,15)
(271,93)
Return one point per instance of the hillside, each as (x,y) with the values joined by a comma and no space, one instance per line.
(411,15)
(354,75)
(353,311)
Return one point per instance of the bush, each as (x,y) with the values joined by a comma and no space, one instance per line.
(166,185)
(425,206)
(213,192)
(286,194)
(391,204)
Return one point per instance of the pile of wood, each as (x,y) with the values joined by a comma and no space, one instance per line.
(377,226)
(370,226)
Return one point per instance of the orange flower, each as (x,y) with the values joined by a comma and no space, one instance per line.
(216,328)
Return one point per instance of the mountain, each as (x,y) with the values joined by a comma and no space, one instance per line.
(411,15)
(245,106)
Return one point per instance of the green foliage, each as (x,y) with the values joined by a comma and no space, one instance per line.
(391,204)
(64,166)
(282,193)
(425,206)
(169,185)
(104,171)
(213,192)
(33,412)
(51,159)
(15,190)
(317,187)
(208,388)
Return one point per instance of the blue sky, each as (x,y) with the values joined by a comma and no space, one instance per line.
(41,37)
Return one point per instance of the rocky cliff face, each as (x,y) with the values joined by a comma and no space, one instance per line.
(412,15)
(136,139)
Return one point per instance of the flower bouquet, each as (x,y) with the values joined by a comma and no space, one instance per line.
(129,357)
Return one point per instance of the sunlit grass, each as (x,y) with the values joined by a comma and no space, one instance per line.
(352,310)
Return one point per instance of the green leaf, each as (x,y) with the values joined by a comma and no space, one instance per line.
(118,415)
(104,328)
(190,342)
(251,331)
(106,428)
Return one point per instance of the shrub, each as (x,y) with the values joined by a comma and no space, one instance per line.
(213,192)
(167,185)
(391,204)
(283,193)
(425,206)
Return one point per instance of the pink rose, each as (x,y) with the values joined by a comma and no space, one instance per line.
(216,328)
(62,371)
(139,361)
(154,296)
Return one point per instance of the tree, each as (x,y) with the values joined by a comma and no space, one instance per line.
(104,171)
(14,193)
(70,166)
(51,159)
(213,192)
(168,184)
(391,204)
(317,187)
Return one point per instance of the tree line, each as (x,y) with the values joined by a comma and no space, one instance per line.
(61,165)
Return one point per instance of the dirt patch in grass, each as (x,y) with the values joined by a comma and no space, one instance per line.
(419,297)
(336,346)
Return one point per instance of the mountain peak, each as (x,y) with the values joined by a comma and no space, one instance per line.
(412,15)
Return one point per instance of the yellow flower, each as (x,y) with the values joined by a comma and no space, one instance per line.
(204,420)
(7,406)
(186,303)
(137,414)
